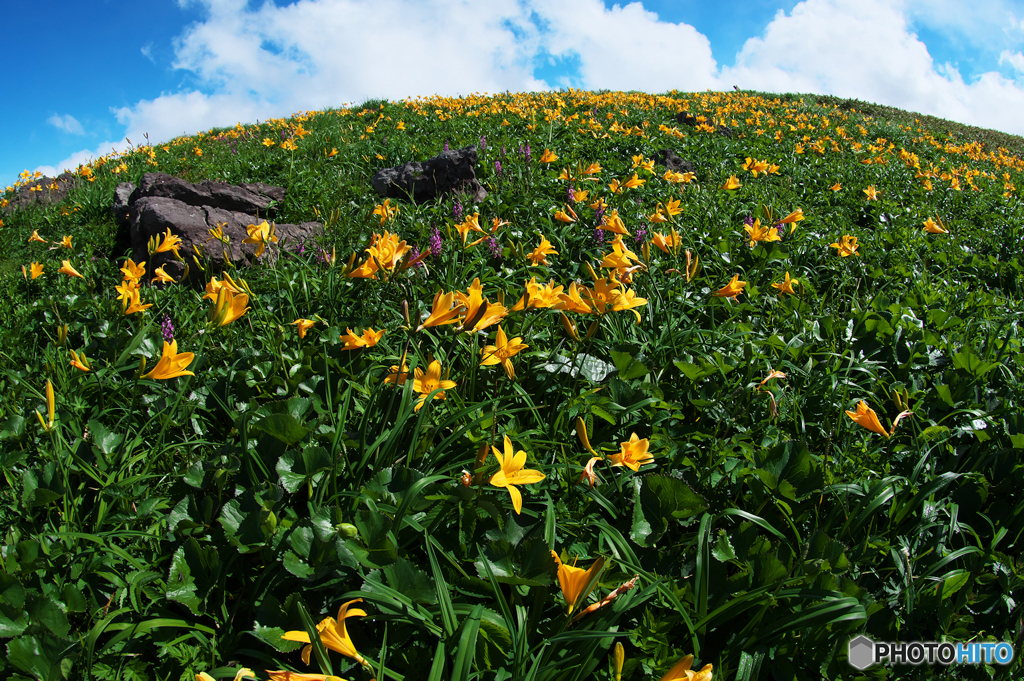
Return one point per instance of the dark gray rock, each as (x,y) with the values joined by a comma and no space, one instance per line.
(256,198)
(162,202)
(686,118)
(671,161)
(122,201)
(448,172)
(45,190)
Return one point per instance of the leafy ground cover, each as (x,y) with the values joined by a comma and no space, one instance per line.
(611,416)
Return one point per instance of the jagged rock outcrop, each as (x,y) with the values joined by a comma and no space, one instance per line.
(450,171)
(163,202)
(671,161)
(44,190)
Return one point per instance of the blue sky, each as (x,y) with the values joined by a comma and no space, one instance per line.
(88,75)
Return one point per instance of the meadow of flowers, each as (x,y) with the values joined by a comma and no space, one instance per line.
(615,421)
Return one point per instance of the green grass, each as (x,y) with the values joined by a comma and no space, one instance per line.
(162,528)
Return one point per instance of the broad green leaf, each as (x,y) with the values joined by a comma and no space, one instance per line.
(284,427)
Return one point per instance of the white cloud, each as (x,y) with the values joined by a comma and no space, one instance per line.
(268,61)
(627,48)
(985,26)
(147,52)
(1014,59)
(865,50)
(66,123)
(314,54)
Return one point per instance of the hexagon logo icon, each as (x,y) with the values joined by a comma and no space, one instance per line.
(861,652)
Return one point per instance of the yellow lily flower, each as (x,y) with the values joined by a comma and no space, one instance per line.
(162,276)
(847,247)
(512,473)
(304,325)
(572,301)
(613,223)
(426,383)
(548,156)
(66,242)
(866,416)
(934,226)
(168,243)
(171,364)
(539,296)
(385,211)
(228,308)
(367,339)
(691,272)
(539,256)
(732,289)
(787,285)
(563,217)
(80,361)
(133,272)
(871,193)
(134,303)
(260,235)
(66,268)
(755,166)
(795,216)
(577,583)
(332,633)
(35,237)
(836,187)
(214,286)
(396,375)
(759,233)
(476,312)
(501,353)
(628,300)
(470,224)
(632,454)
(442,312)
(35,270)
(388,250)
(732,183)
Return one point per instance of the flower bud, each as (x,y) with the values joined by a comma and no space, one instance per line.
(348,530)
(620,659)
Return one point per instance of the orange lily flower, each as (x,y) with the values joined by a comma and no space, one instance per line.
(866,416)
(66,268)
(539,256)
(787,285)
(172,363)
(367,339)
(577,583)
(632,454)
(332,634)
(732,289)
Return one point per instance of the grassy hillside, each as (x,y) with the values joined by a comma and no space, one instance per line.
(743,412)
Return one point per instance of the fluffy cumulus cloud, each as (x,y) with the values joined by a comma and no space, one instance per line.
(262,60)
(865,49)
(1014,59)
(626,48)
(67,123)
